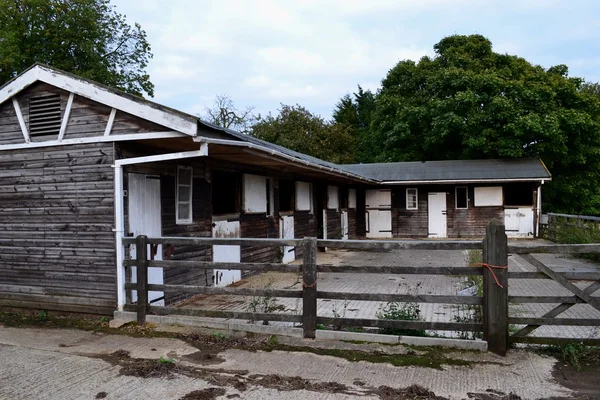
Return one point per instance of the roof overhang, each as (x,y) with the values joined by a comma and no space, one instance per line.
(232,150)
(464,181)
(139,107)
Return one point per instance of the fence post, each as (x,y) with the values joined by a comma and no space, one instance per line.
(309,287)
(141,255)
(495,298)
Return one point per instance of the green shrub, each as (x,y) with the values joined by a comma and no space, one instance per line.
(401,312)
(573,234)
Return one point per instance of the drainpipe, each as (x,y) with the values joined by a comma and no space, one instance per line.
(119,232)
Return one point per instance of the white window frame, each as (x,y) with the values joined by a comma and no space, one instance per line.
(333,202)
(300,187)
(178,201)
(456,197)
(488,196)
(352,198)
(416,207)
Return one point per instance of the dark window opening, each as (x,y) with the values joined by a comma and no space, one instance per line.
(226,192)
(287,191)
(343,198)
(44,115)
(518,194)
(462,198)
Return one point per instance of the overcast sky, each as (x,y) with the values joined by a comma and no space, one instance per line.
(265,52)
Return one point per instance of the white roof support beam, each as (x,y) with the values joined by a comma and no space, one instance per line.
(111,121)
(65,118)
(21,120)
(140,108)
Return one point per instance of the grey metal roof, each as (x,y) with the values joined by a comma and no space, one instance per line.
(454,170)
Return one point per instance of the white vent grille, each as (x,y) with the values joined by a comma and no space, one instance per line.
(44,115)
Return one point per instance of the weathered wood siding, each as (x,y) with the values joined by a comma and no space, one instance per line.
(361,219)
(352,231)
(334,224)
(258,226)
(57,249)
(10,130)
(469,222)
(305,225)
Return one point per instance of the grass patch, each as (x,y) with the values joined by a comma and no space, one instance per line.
(577,355)
(563,232)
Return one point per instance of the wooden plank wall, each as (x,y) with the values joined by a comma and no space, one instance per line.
(305,225)
(334,224)
(352,231)
(10,130)
(471,222)
(57,249)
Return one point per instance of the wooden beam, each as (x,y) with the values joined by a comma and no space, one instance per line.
(309,287)
(21,120)
(111,121)
(66,117)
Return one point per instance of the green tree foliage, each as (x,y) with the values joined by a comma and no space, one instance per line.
(468,102)
(298,129)
(355,112)
(85,37)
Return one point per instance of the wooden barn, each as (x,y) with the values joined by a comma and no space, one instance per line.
(83,165)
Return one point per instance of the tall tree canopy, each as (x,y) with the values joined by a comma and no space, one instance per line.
(298,129)
(468,102)
(86,37)
(355,112)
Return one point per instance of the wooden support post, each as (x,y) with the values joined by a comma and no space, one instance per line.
(309,287)
(495,298)
(141,253)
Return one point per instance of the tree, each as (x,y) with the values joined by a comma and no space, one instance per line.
(468,102)
(356,112)
(85,37)
(298,129)
(224,114)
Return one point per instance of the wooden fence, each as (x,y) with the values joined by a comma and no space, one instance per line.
(555,221)
(494,302)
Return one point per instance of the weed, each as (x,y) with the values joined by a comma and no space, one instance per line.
(401,312)
(272,340)
(321,327)
(220,336)
(104,319)
(263,304)
(574,353)
(164,360)
(42,316)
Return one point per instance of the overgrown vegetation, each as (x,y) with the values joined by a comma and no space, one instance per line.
(264,304)
(576,354)
(393,311)
(562,231)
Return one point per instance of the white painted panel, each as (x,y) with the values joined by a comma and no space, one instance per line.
(333,199)
(488,196)
(255,194)
(378,199)
(145,219)
(324,224)
(379,223)
(351,198)
(344,225)
(519,221)
(226,229)
(436,212)
(303,196)
(286,231)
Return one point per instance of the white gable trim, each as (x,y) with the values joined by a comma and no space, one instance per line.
(21,120)
(101,95)
(95,139)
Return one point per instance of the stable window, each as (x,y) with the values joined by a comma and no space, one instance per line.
(304,196)
(255,194)
(461,198)
(518,194)
(351,198)
(226,192)
(44,115)
(412,199)
(333,197)
(286,195)
(183,211)
(488,196)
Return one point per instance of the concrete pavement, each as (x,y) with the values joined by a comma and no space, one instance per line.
(72,364)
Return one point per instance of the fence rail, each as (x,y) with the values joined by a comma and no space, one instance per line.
(494,302)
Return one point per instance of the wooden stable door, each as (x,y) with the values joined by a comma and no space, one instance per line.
(144,214)
(378,205)
(436,213)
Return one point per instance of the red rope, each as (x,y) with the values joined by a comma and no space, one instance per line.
(491,269)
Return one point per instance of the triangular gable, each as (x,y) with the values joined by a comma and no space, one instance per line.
(138,107)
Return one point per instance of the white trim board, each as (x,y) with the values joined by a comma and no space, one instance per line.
(80,87)
(95,139)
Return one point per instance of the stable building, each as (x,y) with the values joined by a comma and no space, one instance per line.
(83,165)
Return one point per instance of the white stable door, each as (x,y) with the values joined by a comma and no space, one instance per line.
(436,211)
(344,225)
(378,204)
(286,231)
(145,219)
(231,254)
(518,221)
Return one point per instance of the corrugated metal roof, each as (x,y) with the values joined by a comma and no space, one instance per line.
(454,170)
